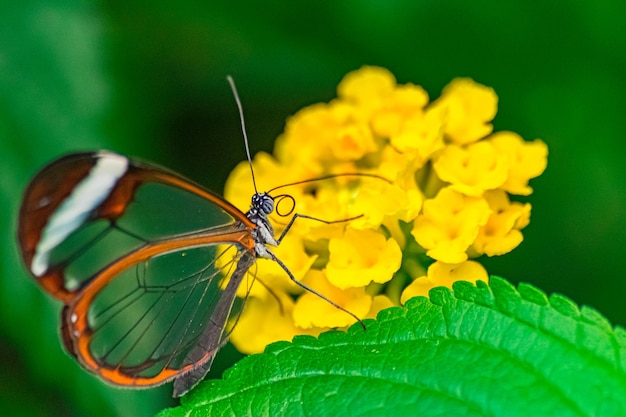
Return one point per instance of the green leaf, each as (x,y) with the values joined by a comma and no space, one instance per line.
(484,350)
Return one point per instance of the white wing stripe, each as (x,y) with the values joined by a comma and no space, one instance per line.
(71,214)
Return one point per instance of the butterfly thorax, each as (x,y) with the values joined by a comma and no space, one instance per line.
(262,206)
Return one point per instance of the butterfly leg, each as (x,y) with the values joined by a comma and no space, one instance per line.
(304,216)
(270,255)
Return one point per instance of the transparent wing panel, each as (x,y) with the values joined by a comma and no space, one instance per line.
(156,212)
(160,210)
(152,315)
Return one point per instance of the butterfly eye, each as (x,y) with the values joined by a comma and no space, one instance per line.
(267,204)
(263,202)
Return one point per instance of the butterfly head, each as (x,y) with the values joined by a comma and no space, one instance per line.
(263,203)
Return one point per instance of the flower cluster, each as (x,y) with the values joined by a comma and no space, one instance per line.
(438,197)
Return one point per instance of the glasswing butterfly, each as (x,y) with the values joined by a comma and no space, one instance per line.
(146,299)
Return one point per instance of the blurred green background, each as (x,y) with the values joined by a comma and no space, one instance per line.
(148,79)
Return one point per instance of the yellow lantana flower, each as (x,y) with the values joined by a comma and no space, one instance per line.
(311,311)
(361,257)
(449,225)
(526,160)
(429,189)
(502,232)
(470,108)
(473,169)
(251,335)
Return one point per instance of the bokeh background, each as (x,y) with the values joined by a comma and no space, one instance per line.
(147,78)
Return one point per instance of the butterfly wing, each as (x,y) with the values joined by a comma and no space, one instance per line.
(140,257)
(157,314)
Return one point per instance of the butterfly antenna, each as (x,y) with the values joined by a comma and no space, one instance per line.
(327,177)
(243,126)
